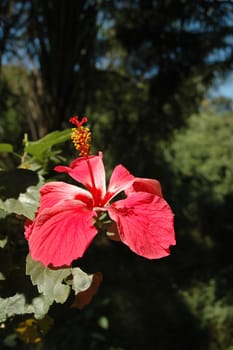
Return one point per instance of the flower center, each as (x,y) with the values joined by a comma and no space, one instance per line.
(81,136)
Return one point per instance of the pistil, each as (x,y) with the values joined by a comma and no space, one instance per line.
(81,137)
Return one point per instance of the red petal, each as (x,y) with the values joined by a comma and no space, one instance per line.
(28,228)
(146,185)
(120,180)
(61,234)
(145,224)
(53,192)
(89,171)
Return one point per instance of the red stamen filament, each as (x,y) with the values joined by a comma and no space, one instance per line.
(81,137)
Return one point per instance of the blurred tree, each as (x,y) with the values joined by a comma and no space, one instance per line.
(14,108)
(61,40)
(217,105)
(170,53)
(200,159)
(179,46)
(56,42)
(173,49)
(12,27)
(202,152)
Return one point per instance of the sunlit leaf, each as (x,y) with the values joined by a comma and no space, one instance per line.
(2,277)
(3,242)
(40,306)
(56,284)
(26,204)
(84,298)
(81,280)
(15,305)
(6,147)
(3,214)
(37,148)
(103,322)
(49,282)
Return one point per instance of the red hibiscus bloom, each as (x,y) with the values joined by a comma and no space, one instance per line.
(65,222)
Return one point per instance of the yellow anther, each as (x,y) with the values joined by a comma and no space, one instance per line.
(81,136)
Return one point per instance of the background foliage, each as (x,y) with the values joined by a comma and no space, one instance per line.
(141,71)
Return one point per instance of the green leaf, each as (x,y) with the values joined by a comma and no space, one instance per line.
(6,147)
(103,322)
(40,306)
(15,305)
(57,284)
(37,148)
(81,280)
(49,282)
(3,242)
(26,204)
(3,214)
(54,285)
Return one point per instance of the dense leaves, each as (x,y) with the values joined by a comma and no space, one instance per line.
(202,152)
(55,284)
(17,305)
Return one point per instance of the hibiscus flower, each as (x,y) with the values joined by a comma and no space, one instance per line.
(65,223)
